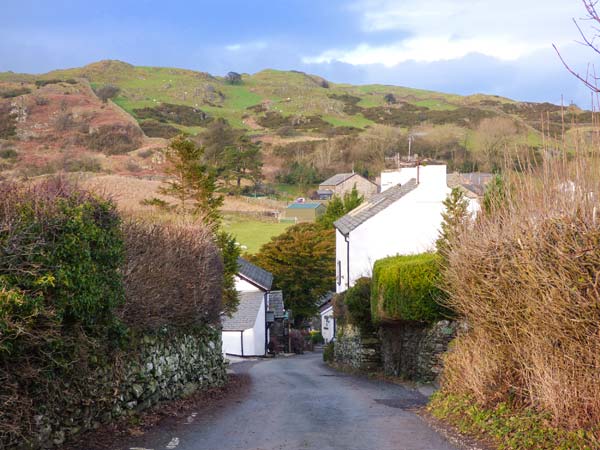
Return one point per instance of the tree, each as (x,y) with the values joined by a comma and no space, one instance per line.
(302,261)
(495,195)
(230,252)
(233,78)
(390,99)
(590,79)
(107,91)
(191,180)
(242,161)
(339,207)
(218,136)
(454,218)
(492,139)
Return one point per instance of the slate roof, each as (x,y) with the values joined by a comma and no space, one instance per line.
(304,205)
(245,316)
(325,301)
(473,184)
(373,206)
(276,304)
(336,179)
(255,274)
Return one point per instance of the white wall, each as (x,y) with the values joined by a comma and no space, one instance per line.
(411,225)
(327,324)
(254,338)
(242,285)
(433,176)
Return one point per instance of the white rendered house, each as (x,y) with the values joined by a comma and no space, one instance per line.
(403,219)
(246,333)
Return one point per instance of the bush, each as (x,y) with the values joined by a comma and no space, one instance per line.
(60,254)
(106,92)
(406,288)
(11,93)
(8,153)
(179,114)
(154,128)
(525,278)
(173,276)
(113,139)
(358,304)
(297,341)
(329,352)
(8,122)
(316,337)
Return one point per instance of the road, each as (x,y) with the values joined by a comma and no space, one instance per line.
(299,403)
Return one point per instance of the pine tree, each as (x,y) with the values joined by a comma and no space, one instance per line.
(454,218)
(191,182)
(338,207)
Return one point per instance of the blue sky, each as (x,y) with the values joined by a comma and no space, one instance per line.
(456,46)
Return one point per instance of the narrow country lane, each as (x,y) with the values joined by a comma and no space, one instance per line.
(299,403)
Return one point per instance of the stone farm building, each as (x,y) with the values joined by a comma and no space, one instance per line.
(304,212)
(344,182)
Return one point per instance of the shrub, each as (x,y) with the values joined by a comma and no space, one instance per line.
(172,275)
(113,139)
(525,279)
(154,128)
(316,337)
(106,92)
(358,304)
(8,121)
(8,153)
(60,253)
(406,288)
(11,93)
(179,114)
(297,342)
(329,352)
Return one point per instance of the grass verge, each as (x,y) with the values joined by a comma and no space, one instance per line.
(507,427)
(252,233)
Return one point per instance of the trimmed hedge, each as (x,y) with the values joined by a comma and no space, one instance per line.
(406,288)
(358,304)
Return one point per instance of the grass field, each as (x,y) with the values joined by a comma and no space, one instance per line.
(250,233)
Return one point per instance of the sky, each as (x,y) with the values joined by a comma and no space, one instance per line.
(455,46)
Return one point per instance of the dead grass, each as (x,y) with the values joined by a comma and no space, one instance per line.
(527,280)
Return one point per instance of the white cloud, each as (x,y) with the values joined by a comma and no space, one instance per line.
(248,46)
(442,30)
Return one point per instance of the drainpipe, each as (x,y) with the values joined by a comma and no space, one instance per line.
(347,238)
(242,341)
(266,296)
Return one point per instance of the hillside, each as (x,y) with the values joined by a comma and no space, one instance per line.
(318,127)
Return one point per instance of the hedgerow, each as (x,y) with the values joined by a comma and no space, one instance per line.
(406,288)
(358,305)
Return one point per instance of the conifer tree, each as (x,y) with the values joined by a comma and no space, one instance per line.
(454,218)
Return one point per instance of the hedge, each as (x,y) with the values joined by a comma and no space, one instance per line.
(358,304)
(406,288)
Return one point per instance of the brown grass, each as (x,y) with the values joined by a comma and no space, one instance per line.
(527,281)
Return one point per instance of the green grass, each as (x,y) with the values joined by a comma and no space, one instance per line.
(508,428)
(436,104)
(252,233)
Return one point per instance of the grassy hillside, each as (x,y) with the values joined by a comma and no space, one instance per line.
(307,125)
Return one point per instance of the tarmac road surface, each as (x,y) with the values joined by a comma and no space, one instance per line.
(299,403)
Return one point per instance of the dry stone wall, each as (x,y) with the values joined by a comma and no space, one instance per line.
(161,367)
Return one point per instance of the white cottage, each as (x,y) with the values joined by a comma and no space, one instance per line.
(327,319)
(403,219)
(246,333)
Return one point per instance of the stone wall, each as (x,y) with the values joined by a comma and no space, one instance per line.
(155,368)
(357,351)
(414,351)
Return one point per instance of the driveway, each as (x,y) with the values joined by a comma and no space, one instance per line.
(299,403)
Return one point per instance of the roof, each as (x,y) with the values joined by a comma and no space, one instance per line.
(336,179)
(247,312)
(276,304)
(255,274)
(473,184)
(373,206)
(325,301)
(304,205)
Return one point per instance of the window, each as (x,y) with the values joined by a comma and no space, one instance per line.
(339,272)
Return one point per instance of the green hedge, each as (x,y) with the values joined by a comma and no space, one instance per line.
(406,288)
(358,304)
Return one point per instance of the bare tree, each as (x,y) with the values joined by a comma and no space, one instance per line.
(589,79)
